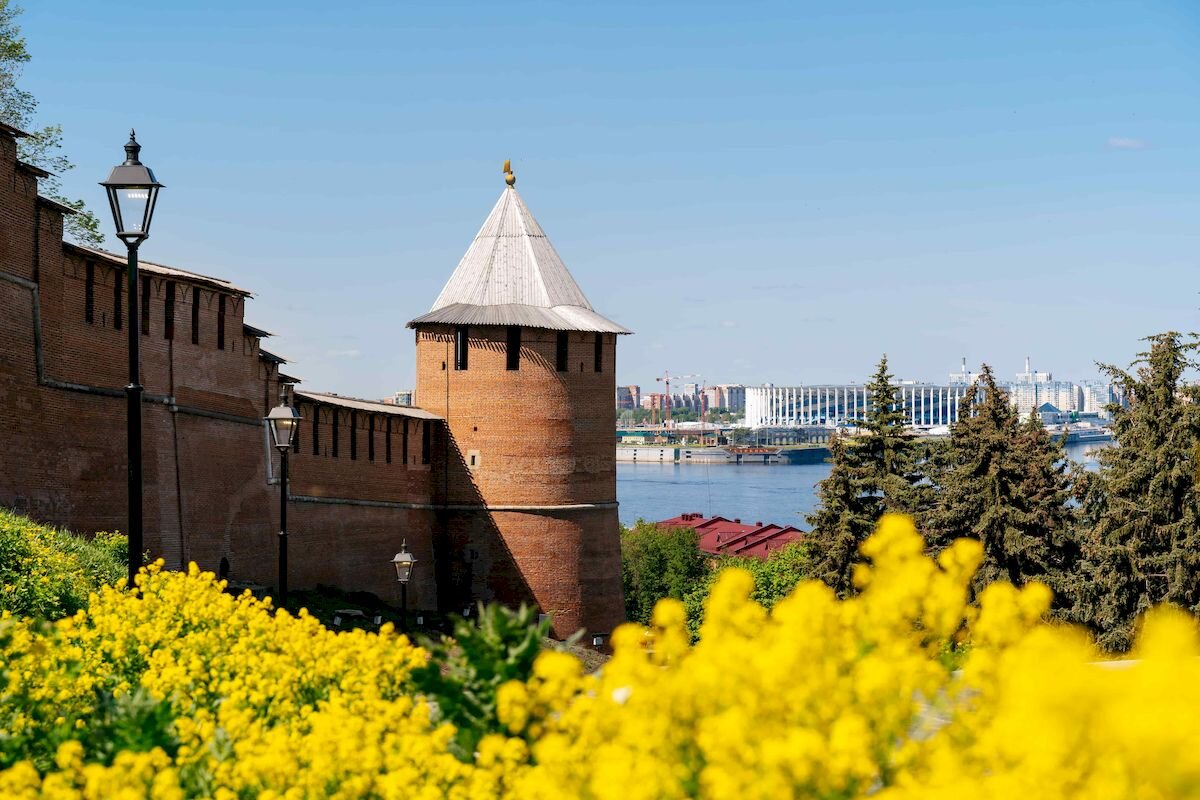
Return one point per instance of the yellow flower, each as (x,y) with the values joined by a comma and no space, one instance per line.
(818,698)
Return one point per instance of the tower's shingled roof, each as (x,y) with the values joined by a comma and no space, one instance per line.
(511,275)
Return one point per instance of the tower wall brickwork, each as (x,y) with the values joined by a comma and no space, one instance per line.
(528,471)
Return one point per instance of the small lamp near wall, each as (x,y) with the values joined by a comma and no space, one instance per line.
(283,421)
(132,192)
(404,562)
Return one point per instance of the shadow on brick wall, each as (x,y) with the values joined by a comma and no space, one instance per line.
(473,561)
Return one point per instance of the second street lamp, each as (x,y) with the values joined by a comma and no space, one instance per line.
(132,193)
(404,563)
(283,420)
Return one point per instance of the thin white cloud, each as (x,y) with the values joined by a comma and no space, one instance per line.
(728,324)
(345,353)
(1125,143)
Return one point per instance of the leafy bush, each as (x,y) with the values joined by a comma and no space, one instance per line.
(465,671)
(774,579)
(49,573)
(657,563)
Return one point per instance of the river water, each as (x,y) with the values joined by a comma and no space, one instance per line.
(779,493)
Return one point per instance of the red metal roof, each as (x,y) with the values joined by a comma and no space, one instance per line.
(721,536)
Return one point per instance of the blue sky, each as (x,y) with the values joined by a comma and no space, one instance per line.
(762,191)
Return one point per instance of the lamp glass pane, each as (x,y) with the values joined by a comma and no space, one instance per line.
(282,430)
(149,212)
(132,204)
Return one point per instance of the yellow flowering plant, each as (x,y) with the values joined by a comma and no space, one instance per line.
(815,698)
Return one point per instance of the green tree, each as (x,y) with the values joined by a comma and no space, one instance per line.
(656,563)
(774,578)
(844,518)
(1004,483)
(1144,546)
(43,148)
(886,449)
(875,471)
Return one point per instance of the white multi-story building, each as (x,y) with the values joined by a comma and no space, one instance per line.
(1033,389)
(732,396)
(1095,396)
(403,397)
(927,405)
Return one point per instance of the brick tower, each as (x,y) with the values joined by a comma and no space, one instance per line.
(523,370)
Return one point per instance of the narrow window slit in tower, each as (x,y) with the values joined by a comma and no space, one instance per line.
(599,352)
(146,306)
(370,437)
(118,299)
(89,292)
(221,322)
(514,348)
(195,315)
(353,435)
(387,441)
(460,348)
(169,312)
(560,352)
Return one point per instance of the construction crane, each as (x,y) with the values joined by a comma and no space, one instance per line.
(703,402)
(666,379)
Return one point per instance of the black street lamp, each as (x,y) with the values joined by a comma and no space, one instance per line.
(132,192)
(404,563)
(283,421)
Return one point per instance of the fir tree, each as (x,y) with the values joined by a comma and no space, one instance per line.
(1004,482)
(1145,546)
(887,450)
(872,472)
(1051,525)
(844,519)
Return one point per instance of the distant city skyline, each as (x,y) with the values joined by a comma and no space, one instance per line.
(761,191)
(1002,375)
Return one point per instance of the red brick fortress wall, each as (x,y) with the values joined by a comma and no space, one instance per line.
(528,472)
(211,490)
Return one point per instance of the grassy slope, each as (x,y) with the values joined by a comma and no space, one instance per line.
(46,572)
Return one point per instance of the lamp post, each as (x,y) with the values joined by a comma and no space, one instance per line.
(404,563)
(132,192)
(283,420)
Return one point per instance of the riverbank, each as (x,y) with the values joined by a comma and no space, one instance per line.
(675,454)
(783,493)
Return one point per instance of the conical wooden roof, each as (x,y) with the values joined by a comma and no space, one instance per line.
(511,275)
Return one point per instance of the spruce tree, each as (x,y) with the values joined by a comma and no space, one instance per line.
(1004,483)
(887,450)
(844,519)
(1051,530)
(1145,546)
(872,472)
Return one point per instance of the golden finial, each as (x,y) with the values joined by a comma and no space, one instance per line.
(509,177)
